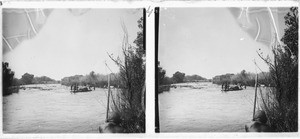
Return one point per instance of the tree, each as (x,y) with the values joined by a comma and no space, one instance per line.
(139,41)
(92,78)
(76,79)
(8,77)
(92,74)
(16,82)
(285,67)
(132,78)
(282,110)
(167,80)
(193,78)
(27,78)
(42,80)
(290,38)
(178,77)
(243,73)
(243,77)
(161,75)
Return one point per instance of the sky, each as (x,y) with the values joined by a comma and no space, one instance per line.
(74,44)
(207,42)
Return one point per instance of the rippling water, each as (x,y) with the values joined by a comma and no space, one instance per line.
(54,111)
(205,110)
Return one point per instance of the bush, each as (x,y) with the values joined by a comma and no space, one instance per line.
(8,80)
(281,103)
(130,101)
(178,77)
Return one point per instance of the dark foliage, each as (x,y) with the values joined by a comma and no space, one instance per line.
(290,38)
(7,74)
(167,81)
(92,79)
(43,80)
(8,77)
(27,78)
(194,78)
(131,105)
(282,106)
(178,77)
(243,78)
(161,75)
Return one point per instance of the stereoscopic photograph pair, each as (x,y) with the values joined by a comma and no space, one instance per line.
(217,69)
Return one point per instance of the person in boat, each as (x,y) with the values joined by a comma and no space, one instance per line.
(226,86)
(240,86)
(222,86)
(75,87)
(112,125)
(259,123)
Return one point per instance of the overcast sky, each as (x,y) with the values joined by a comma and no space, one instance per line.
(207,42)
(68,44)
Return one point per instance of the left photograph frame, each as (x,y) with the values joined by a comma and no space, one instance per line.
(73,70)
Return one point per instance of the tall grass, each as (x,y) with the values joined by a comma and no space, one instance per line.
(281,102)
(129,102)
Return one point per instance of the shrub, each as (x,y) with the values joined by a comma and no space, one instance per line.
(129,102)
(281,102)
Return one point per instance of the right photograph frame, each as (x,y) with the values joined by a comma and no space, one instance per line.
(226,69)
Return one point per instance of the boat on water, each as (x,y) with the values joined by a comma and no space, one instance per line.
(78,89)
(227,87)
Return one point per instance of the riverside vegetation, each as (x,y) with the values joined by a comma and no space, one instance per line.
(129,104)
(129,101)
(280,102)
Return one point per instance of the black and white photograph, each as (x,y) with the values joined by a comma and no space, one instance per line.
(73,70)
(226,69)
(212,69)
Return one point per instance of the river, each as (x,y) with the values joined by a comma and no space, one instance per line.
(54,111)
(205,110)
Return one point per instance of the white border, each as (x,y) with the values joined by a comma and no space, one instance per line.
(139,4)
(150,56)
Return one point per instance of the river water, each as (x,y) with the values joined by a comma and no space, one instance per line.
(205,110)
(54,111)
